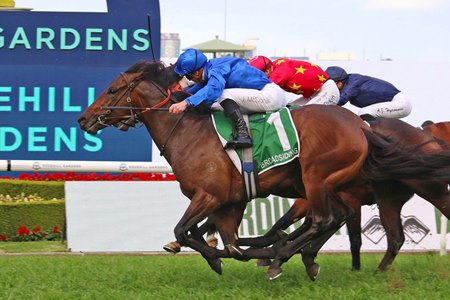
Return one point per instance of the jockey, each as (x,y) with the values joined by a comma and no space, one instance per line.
(231,82)
(374,96)
(307,81)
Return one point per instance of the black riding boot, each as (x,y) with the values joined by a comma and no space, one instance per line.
(232,111)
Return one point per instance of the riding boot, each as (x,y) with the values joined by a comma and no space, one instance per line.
(232,111)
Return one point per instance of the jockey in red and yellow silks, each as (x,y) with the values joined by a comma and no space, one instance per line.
(299,77)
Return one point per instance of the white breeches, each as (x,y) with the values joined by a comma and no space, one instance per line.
(270,98)
(397,108)
(327,95)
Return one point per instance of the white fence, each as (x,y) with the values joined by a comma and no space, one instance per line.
(83,166)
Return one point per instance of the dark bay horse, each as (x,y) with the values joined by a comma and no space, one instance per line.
(338,149)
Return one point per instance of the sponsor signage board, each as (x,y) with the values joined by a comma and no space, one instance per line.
(54,64)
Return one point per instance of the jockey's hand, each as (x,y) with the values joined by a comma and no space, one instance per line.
(178,108)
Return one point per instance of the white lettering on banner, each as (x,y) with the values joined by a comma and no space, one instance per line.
(92,39)
(140,216)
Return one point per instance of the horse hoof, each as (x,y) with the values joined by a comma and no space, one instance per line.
(261,262)
(172,247)
(216,265)
(313,272)
(274,273)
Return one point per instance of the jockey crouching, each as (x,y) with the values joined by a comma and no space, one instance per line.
(304,82)
(231,82)
(374,97)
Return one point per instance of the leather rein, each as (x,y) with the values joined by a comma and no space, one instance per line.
(133,117)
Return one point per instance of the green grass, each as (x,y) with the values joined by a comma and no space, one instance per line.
(413,276)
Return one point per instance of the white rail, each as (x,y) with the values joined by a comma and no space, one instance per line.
(83,166)
(443,249)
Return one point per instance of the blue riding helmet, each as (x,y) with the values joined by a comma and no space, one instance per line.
(336,73)
(189,61)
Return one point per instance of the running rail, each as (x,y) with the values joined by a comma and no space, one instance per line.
(83,166)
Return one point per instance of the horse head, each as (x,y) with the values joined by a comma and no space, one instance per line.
(121,105)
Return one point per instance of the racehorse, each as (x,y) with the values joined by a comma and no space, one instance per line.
(394,196)
(390,205)
(338,149)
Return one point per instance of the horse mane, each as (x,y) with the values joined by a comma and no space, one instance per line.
(155,71)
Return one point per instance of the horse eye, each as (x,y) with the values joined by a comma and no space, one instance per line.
(112,91)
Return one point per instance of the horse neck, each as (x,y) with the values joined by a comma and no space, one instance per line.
(440,130)
(173,133)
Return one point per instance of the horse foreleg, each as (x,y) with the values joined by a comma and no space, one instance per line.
(201,206)
(297,211)
(207,227)
(227,222)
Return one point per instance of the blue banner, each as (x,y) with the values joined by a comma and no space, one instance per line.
(54,64)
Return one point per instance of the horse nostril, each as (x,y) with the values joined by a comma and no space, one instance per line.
(81,120)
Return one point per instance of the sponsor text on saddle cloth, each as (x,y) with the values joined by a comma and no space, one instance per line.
(275,139)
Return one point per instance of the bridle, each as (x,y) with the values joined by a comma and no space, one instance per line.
(133,117)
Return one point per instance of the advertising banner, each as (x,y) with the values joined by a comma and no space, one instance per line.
(54,64)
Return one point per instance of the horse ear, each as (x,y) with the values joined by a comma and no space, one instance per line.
(427,123)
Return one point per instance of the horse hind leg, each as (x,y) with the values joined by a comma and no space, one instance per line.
(390,210)
(354,235)
(309,253)
(324,224)
(297,211)
(436,193)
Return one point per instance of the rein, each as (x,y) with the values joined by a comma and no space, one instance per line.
(133,118)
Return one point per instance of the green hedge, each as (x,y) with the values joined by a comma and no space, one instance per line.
(46,190)
(45,214)
(48,212)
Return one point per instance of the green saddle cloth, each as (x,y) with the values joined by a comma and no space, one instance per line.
(275,138)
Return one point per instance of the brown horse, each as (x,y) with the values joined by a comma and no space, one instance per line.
(338,149)
(390,204)
(390,196)
(440,131)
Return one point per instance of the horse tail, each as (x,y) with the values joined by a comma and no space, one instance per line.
(388,160)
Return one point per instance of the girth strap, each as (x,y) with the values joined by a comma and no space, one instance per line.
(249,169)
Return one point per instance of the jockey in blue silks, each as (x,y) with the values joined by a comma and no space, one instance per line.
(231,82)
(374,96)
